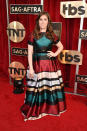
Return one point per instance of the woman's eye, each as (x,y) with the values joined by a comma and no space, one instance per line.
(45,19)
(40,19)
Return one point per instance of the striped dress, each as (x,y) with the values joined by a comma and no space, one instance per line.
(44,96)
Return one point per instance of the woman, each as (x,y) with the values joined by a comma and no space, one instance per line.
(45,91)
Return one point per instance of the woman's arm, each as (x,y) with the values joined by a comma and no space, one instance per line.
(30,60)
(60,48)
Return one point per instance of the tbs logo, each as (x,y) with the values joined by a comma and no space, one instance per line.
(70,57)
(73,9)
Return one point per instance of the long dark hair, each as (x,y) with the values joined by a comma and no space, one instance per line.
(49,31)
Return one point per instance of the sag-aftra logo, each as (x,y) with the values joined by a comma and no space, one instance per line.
(73,9)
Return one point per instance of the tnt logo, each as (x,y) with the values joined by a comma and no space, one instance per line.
(16,70)
(70,57)
(16,31)
(73,9)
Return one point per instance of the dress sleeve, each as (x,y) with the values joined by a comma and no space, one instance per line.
(31,40)
(56,40)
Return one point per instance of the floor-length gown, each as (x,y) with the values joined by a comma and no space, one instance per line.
(46,95)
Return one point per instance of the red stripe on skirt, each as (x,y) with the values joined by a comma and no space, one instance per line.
(44,108)
(46,65)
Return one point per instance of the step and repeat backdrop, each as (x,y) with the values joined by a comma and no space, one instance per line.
(21,20)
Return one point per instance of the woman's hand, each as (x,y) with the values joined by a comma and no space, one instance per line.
(31,73)
(51,54)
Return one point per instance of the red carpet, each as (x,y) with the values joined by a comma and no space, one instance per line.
(74,119)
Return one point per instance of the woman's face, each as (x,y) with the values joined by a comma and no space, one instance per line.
(43,22)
